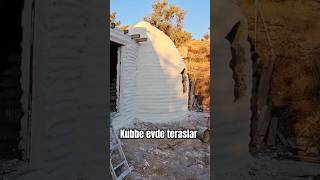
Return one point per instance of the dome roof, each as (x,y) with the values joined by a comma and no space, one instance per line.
(159,95)
(163,46)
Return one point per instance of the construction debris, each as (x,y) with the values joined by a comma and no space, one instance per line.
(203,134)
(272,126)
(170,158)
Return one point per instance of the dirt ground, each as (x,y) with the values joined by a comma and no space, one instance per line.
(266,168)
(8,167)
(169,158)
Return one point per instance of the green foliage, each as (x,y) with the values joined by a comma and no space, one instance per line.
(169,19)
(113,19)
(206,36)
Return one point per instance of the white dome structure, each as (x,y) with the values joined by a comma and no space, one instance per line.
(162,84)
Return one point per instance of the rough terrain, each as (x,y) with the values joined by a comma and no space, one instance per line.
(169,159)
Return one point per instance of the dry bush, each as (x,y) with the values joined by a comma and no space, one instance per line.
(198,64)
(294,30)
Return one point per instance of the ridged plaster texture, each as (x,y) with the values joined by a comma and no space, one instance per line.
(159,88)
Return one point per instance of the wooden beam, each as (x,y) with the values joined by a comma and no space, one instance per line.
(302,156)
(262,126)
(141,39)
(272,135)
(135,36)
(282,138)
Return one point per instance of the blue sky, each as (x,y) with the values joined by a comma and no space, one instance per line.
(197,20)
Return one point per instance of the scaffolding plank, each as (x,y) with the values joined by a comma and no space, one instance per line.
(135,36)
(141,40)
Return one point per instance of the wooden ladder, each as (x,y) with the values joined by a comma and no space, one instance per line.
(121,169)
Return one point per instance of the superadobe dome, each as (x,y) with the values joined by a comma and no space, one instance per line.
(162,82)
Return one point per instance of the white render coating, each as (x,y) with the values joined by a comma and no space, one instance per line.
(232,158)
(69,64)
(68,91)
(126,76)
(149,76)
(159,88)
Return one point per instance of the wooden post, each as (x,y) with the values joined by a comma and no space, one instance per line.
(255,22)
(271,141)
(191,95)
(263,123)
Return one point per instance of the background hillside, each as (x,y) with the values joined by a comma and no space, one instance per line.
(295,88)
(197,60)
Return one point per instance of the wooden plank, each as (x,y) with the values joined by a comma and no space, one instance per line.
(267,33)
(272,135)
(256,20)
(302,156)
(191,94)
(141,40)
(264,85)
(262,126)
(135,36)
(292,144)
(264,120)
(282,138)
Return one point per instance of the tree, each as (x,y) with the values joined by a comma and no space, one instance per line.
(113,19)
(169,19)
(206,36)
(125,27)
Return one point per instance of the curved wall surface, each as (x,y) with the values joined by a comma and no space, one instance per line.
(159,93)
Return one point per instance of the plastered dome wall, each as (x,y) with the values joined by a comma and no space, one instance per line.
(160,95)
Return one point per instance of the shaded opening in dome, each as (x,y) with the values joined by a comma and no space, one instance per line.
(114,76)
